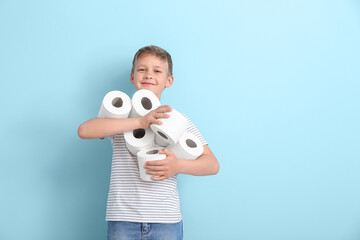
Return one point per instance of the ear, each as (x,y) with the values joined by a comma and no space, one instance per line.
(132,78)
(169,81)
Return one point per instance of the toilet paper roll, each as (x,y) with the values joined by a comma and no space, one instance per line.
(115,104)
(139,139)
(188,147)
(150,154)
(172,128)
(160,141)
(143,101)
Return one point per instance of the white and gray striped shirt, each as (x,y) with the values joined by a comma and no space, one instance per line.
(133,200)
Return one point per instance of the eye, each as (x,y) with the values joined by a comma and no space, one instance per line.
(157,71)
(141,69)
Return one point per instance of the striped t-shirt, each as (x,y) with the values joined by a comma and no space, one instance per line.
(134,200)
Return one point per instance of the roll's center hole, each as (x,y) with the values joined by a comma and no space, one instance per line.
(162,135)
(139,133)
(146,103)
(191,143)
(117,102)
(152,152)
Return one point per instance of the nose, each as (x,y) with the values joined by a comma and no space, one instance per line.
(148,76)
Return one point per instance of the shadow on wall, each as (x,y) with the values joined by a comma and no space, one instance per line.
(80,172)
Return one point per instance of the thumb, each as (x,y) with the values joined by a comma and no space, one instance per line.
(165,151)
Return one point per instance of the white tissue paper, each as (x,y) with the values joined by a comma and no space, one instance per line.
(143,101)
(160,141)
(172,128)
(115,104)
(150,154)
(188,147)
(139,139)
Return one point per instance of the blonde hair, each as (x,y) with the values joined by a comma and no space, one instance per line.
(157,51)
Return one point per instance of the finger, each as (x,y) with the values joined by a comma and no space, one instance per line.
(164,108)
(166,151)
(154,168)
(160,178)
(163,151)
(156,173)
(156,121)
(154,163)
(162,115)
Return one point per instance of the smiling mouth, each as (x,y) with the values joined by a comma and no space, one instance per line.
(147,84)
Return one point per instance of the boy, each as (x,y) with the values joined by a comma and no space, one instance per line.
(135,208)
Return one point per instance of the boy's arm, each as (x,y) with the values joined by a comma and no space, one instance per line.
(206,164)
(104,127)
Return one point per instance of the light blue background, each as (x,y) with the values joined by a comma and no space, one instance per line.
(273,86)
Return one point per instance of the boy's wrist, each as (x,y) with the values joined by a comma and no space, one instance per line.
(180,165)
(138,123)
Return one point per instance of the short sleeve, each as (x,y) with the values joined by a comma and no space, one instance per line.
(193,129)
(111,138)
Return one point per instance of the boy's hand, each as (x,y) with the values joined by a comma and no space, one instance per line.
(152,117)
(163,169)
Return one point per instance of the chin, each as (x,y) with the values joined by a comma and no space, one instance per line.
(147,88)
(151,88)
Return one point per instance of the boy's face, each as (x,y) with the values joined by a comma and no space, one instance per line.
(151,73)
